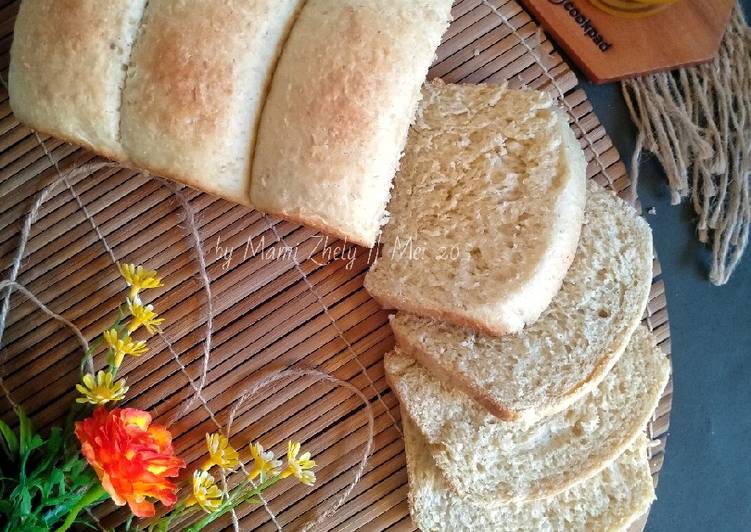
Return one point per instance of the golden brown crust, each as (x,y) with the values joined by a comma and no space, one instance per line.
(64,77)
(197,79)
(339,109)
(388,301)
(321,226)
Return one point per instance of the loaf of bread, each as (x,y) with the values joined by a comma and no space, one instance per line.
(197,80)
(67,69)
(570,349)
(337,115)
(492,462)
(486,209)
(178,87)
(173,87)
(609,501)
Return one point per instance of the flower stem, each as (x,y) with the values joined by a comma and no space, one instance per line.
(90,497)
(238,496)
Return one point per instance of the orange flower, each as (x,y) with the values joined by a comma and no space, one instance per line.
(132,457)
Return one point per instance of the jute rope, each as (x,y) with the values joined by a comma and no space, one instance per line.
(325,377)
(9,285)
(697,122)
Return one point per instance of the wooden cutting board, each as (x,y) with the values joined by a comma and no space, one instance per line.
(608,47)
(267,316)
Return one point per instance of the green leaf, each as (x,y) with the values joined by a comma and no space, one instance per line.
(55,440)
(35,484)
(35,443)
(25,430)
(9,438)
(93,496)
(52,451)
(6,508)
(79,472)
(57,479)
(24,505)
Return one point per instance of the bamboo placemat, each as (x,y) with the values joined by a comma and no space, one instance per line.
(268,316)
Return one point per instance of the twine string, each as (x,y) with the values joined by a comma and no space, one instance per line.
(65,178)
(311,288)
(198,249)
(31,216)
(13,285)
(319,376)
(697,122)
(197,385)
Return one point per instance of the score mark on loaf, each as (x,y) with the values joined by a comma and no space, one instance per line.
(179,88)
(195,86)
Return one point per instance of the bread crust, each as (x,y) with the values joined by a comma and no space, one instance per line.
(321,225)
(337,115)
(456,379)
(390,301)
(445,373)
(197,79)
(65,79)
(487,148)
(638,424)
(197,184)
(538,406)
(434,508)
(554,485)
(65,137)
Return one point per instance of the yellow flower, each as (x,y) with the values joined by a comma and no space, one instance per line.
(264,464)
(139,278)
(221,453)
(123,346)
(299,467)
(142,315)
(205,492)
(100,389)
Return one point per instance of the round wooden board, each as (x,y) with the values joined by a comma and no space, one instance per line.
(267,315)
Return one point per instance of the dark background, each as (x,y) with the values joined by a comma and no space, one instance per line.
(705,482)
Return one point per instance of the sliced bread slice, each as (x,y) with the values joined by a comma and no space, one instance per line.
(494,462)
(576,341)
(486,209)
(609,501)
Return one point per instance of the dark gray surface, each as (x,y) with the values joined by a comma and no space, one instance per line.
(706,479)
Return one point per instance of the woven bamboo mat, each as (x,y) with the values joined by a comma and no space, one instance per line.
(268,316)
